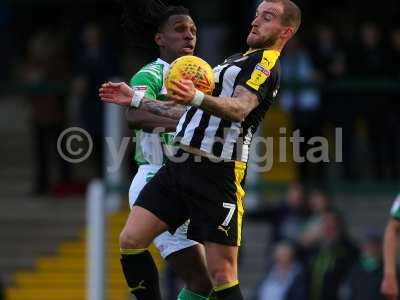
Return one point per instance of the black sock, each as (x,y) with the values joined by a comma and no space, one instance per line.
(230,291)
(141,274)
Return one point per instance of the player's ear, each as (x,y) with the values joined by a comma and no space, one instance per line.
(287,33)
(158,39)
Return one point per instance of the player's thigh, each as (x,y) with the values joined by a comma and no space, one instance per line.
(162,196)
(141,227)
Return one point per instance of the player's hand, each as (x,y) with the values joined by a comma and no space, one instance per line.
(183,91)
(389,287)
(117,93)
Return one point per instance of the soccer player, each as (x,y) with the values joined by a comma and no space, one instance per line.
(173,33)
(214,136)
(389,285)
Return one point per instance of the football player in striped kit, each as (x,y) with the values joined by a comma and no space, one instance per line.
(204,181)
(172,34)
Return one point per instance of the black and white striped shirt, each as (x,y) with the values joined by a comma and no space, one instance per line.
(257,71)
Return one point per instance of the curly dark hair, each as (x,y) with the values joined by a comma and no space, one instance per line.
(142,19)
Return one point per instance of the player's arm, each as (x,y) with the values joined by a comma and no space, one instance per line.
(122,94)
(140,118)
(389,284)
(233,109)
(168,109)
(252,88)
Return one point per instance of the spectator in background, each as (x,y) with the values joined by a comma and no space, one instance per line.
(331,65)
(302,102)
(287,217)
(44,72)
(319,203)
(368,64)
(285,279)
(331,260)
(366,275)
(94,64)
(327,54)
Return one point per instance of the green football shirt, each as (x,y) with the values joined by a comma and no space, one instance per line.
(150,147)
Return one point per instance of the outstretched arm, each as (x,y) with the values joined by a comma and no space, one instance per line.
(120,93)
(389,284)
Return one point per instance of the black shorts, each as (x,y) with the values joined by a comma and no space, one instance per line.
(208,193)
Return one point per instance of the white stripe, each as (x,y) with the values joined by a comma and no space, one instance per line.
(245,153)
(156,68)
(229,80)
(209,134)
(180,124)
(193,124)
(164,88)
(246,145)
(165,70)
(230,140)
(150,72)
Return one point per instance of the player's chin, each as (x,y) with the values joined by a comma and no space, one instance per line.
(253,42)
(187,51)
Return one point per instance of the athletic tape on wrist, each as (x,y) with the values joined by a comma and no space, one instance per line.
(198,98)
(138,94)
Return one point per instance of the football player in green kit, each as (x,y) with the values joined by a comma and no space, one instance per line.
(173,32)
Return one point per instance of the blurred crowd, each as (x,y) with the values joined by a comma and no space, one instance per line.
(61,80)
(313,256)
(331,78)
(349,80)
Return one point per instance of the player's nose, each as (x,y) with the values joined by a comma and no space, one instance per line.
(189,35)
(255,21)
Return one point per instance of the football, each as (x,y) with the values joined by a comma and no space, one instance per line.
(193,68)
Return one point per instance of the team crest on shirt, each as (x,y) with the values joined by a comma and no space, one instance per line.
(266,61)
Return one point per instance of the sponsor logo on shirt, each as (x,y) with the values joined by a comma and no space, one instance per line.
(260,68)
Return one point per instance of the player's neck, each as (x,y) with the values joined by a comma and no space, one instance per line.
(275,47)
(167,57)
(251,50)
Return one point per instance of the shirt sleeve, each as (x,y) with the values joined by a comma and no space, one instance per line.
(261,74)
(149,80)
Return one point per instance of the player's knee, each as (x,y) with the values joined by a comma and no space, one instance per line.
(222,274)
(129,240)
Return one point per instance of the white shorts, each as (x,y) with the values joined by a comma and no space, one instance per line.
(166,243)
